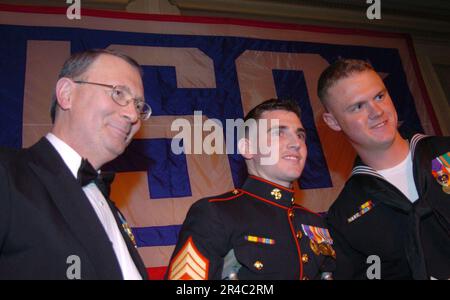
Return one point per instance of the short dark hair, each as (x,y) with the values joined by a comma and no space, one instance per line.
(268,105)
(273,104)
(338,70)
(78,63)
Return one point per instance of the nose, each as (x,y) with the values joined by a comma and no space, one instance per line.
(294,143)
(375,110)
(129,112)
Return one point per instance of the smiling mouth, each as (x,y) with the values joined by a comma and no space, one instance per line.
(379,125)
(293,158)
(121,131)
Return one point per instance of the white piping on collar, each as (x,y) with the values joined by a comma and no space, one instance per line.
(414,140)
(363,169)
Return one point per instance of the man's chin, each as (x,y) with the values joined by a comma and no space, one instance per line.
(384,142)
(118,149)
(293,176)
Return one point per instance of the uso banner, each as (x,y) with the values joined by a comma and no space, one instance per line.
(217,68)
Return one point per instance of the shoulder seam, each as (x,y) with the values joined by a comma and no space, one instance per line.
(225,199)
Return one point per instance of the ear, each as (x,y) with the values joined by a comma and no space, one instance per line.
(244,148)
(64,89)
(331,121)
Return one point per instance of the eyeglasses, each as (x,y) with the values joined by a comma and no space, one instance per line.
(122,96)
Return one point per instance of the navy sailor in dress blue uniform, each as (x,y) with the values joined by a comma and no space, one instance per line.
(257,231)
(396,204)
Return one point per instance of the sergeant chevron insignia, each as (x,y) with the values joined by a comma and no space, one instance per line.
(189,264)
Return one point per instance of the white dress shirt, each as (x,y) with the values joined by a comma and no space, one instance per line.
(73,161)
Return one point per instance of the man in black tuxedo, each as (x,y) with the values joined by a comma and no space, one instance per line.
(56,220)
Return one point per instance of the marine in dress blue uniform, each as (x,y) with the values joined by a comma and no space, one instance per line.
(272,237)
(257,231)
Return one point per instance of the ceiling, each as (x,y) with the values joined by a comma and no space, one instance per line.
(432,9)
(428,9)
(423,19)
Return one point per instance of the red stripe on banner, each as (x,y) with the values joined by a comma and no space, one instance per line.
(156,273)
(422,87)
(33,9)
(196,19)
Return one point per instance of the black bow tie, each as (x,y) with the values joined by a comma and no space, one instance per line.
(87,174)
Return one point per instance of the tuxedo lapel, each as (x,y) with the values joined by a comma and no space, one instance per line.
(75,208)
(131,248)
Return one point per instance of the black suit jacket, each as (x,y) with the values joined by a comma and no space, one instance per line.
(45,218)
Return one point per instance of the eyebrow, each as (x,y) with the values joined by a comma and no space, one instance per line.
(284,127)
(131,94)
(123,87)
(382,91)
(356,103)
(301,130)
(276,127)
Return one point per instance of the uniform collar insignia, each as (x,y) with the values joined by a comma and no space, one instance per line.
(276,193)
(269,191)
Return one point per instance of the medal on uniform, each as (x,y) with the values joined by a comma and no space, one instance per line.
(440,167)
(446,189)
(320,240)
(332,252)
(314,247)
(127,229)
(317,234)
(445,160)
(326,249)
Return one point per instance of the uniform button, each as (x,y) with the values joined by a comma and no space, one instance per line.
(291,214)
(292,200)
(305,278)
(235,192)
(299,234)
(258,265)
(305,258)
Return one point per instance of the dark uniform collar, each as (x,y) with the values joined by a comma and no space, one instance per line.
(267,191)
(361,168)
